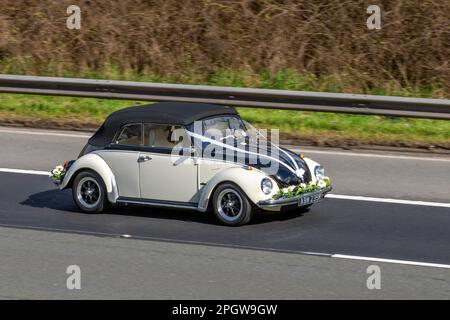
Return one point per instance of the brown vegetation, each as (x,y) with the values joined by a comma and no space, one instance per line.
(191,39)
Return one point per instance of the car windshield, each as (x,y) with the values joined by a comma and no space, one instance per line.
(222,126)
(229,129)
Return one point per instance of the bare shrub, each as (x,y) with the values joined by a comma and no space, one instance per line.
(193,38)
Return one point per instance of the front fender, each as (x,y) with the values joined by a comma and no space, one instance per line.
(95,163)
(311,165)
(248,180)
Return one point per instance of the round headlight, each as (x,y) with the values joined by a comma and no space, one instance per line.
(266,186)
(319,172)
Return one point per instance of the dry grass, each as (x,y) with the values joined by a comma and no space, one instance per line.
(326,41)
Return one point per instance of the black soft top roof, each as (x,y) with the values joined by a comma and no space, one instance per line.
(174,113)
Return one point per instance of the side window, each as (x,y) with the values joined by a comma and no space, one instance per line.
(164,136)
(130,135)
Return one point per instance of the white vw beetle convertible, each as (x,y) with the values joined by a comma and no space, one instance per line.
(191,156)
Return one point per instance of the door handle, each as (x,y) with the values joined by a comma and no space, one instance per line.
(144,158)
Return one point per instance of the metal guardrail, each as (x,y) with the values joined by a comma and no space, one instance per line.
(241,97)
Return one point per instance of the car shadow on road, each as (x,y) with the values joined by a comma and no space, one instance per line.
(52,199)
(62,202)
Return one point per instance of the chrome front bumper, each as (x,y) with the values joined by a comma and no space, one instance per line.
(276,205)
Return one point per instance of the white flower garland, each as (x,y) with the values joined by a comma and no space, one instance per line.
(297,190)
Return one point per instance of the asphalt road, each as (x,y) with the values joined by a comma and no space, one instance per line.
(281,245)
(33,266)
(332,227)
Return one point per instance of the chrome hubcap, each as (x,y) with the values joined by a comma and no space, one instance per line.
(88,192)
(229,204)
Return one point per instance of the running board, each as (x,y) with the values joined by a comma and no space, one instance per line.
(159,203)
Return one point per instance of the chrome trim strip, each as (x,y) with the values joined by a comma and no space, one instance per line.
(158,204)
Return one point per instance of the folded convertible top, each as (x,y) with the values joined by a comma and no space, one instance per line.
(174,113)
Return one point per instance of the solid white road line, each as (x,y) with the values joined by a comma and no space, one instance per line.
(387,200)
(34,172)
(412,263)
(369,155)
(43,133)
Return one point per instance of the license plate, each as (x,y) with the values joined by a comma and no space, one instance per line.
(309,198)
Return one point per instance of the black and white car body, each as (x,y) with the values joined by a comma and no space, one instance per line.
(170,155)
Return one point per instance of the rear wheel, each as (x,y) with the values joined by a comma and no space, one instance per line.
(89,192)
(231,206)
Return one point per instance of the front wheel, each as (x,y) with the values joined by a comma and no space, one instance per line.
(231,206)
(89,192)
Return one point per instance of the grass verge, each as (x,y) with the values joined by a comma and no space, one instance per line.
(312,128)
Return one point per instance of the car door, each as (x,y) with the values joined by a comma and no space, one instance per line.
(122,157)
(165,176)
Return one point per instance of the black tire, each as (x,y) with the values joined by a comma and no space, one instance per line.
(237,214)
(89,192)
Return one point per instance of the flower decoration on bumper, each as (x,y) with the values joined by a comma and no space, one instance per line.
(57,174)
(302,188)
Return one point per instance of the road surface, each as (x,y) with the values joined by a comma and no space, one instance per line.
(388,209)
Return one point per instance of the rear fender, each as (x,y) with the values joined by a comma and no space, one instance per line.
(95,163)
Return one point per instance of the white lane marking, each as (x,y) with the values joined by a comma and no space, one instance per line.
(35,172)
(42,133)
(412,263)
(369,155)
(330,195)
(387,200)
